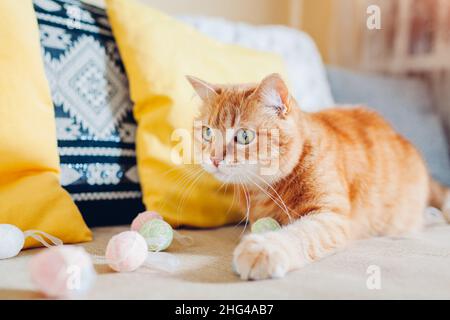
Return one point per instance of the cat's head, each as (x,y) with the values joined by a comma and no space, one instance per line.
(247,132)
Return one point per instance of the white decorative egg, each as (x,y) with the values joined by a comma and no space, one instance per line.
(11,241)
(63,272)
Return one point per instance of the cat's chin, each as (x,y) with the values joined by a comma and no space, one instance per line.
(222,177)
(235,178)
(225,177)
(240,175)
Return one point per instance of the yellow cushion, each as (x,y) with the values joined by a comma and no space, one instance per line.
(30,194)
(158,52)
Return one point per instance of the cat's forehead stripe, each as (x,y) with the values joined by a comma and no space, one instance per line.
(228,109)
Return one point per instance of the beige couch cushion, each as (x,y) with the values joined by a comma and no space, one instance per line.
(411,267)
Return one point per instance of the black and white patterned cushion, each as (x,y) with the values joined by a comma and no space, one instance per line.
(95,125)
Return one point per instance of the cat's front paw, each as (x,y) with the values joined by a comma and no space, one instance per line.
(259,257)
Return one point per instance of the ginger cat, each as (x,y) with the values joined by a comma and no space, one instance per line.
(338,175)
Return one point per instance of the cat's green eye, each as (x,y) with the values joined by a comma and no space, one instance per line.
(207,133)
(245,136)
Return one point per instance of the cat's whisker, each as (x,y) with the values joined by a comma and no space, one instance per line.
(186,193)
(189,171)
(183,179)
(247,198)
(180,167)
(286,209)
(239,185)
(221,186)
(188,190)
(232,202)
(239,194)
(186,177)
(226,188)
(192,179)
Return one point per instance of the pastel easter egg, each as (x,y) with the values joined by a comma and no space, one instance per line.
(126,251)
(142,218)
(63,272)
(157,233)
(264,225)
(11,241)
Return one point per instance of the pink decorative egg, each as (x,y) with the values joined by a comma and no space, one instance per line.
(63,271)
(126,251)
(142,218)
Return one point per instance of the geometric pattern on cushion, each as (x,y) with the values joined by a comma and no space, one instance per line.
(95,124)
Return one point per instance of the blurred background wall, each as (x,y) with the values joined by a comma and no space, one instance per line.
(252,11)
(414,34)
(414,38)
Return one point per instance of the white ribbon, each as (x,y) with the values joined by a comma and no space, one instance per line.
(183,240)
(38,236)
(163,261)
(155,260)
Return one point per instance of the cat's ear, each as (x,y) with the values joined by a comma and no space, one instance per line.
(272,92)
(205,90)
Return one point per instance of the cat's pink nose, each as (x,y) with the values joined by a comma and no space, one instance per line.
(215,161)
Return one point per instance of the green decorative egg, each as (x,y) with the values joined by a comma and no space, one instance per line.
(157,233)
(264,225)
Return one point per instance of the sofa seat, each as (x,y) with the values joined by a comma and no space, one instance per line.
(411,267)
